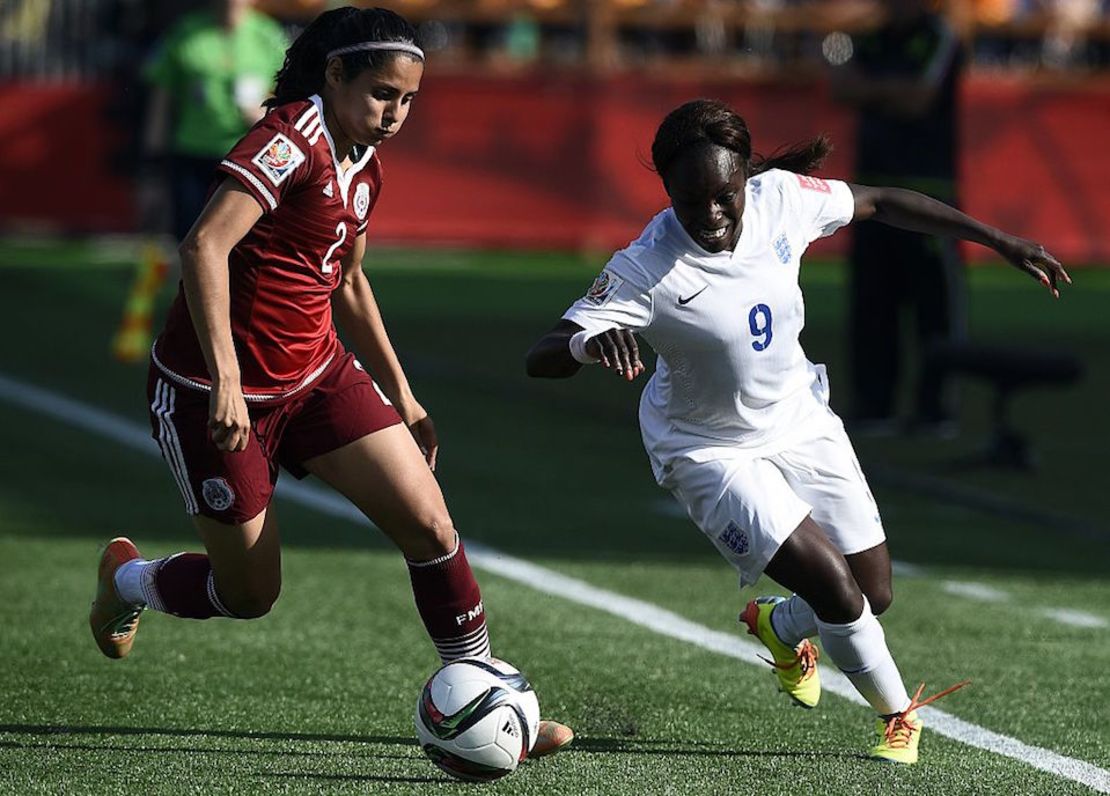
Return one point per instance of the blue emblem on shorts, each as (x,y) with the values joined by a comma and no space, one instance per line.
(734,539)
(782,248)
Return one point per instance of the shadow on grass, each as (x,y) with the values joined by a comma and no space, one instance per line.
(582,745)
(111,747)
(666,747)
(177,732)
(294,775)
(49,732)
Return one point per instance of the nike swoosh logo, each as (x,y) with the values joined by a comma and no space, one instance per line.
(684,301)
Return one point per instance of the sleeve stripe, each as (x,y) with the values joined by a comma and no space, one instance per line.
(305,118)
(269,197)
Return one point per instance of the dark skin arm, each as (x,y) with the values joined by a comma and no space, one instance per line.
(916,212)
(617,348)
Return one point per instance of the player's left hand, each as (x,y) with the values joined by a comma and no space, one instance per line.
(618,351)
(1033,259)
(423,431)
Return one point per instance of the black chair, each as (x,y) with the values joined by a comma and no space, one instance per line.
(1008,369)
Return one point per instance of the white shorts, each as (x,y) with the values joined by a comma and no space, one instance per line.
(750,502)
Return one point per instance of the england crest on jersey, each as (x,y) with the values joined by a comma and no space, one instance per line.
(278,159)
(782,248)
(362,200)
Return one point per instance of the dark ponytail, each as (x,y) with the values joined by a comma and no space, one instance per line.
(302,75)
(706,121)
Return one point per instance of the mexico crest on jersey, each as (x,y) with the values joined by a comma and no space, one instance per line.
(603,288)
(278,159)
(362,200)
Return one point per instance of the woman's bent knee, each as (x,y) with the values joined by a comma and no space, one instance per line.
(251,604)
(429,538)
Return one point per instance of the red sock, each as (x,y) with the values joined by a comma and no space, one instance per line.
(183,586)
(450,603)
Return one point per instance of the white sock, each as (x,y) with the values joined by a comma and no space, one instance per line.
(859,650)
(133,580)
(793,620)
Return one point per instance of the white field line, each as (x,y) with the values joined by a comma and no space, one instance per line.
(905,569)
(651,617)
(1072,617)
(974,591)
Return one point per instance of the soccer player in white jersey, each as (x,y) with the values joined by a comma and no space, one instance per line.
(735,419)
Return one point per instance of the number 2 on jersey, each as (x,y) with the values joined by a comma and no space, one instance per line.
(759,321)
(341,231)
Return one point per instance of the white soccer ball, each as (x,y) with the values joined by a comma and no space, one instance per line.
(477,718)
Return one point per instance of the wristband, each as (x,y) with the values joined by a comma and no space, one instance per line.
(578,348)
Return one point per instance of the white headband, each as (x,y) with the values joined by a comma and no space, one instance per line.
(400,46)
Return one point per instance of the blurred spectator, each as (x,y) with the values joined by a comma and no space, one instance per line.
(1065,38)
(903,80)
(209,77)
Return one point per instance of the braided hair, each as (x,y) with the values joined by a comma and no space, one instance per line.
(707,121)
(302,74)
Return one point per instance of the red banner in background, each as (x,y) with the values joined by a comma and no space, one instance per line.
(56,171)
(561,161)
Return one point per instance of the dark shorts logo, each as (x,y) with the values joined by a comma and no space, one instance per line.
(734,539)
(217,494)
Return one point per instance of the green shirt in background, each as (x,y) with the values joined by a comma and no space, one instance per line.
(209,72)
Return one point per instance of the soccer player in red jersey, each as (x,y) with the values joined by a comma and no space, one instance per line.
(249,372)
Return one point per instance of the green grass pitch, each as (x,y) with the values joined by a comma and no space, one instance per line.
(318,696)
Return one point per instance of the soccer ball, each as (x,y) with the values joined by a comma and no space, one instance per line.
(477,718)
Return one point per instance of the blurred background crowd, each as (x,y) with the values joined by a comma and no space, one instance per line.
(535,116)
(75,39)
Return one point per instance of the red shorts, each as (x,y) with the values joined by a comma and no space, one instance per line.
(343,405)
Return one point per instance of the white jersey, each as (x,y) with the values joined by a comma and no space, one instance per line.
(731,371)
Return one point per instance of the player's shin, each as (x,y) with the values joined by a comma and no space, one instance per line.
(450,603)
(793,620)
(859,649)
(181,584)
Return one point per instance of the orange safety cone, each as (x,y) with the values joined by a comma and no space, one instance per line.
(132,340)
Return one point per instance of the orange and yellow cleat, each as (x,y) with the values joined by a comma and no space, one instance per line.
(114,622)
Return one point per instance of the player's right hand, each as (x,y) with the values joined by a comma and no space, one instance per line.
(617,350)
(229,423)
(1033,259)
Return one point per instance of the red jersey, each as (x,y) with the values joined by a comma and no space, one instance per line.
(283,272)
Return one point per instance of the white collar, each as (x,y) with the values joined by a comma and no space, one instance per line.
(343,178)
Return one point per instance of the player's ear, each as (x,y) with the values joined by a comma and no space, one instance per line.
(333,72)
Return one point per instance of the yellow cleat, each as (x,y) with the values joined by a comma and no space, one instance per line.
(795,667)
(898,738)
(114,622)
(900,734)
(551,737)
